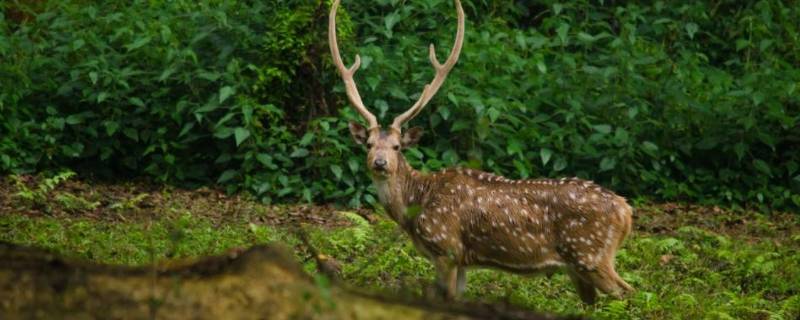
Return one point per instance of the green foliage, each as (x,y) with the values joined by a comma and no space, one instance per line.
(128,204)
(132,243)
(649,99)
(679,101)
(38,195)
(357,237)
(181,91)
(73,203)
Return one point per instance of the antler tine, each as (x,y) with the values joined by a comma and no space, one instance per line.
(347,73)
(441,73)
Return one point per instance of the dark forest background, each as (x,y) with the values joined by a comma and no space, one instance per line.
(668,100)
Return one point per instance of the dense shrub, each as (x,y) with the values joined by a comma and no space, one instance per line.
(178,90)
(680,101)
(684,102)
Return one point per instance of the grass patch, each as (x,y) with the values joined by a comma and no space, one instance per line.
(692,274)
(133,243)
(687,262)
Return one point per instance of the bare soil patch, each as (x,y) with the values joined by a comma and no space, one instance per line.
(667,218)
(139,201)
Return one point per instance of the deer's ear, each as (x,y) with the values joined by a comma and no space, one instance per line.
(358,132)
(411,137)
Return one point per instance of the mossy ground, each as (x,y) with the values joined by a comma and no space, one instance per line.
(687,262)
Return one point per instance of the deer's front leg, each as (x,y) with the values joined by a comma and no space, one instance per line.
(461,283)
(447,277)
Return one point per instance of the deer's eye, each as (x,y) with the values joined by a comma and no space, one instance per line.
(369,146)
(396,147)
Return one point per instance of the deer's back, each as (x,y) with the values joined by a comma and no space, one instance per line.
(522,225)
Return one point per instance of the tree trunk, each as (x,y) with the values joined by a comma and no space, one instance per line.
(263,282)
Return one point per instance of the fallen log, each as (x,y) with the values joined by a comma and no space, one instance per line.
(263,282)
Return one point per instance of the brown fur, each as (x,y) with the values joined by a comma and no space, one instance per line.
(472,218)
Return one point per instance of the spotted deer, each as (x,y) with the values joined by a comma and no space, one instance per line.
(462,218)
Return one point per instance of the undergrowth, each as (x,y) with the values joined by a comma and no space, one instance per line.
(692,274)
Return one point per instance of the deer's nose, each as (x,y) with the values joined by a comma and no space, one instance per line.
(379,163)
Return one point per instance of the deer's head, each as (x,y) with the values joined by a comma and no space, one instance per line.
(384,146)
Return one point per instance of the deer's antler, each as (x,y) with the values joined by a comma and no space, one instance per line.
(441,73)
(347,73)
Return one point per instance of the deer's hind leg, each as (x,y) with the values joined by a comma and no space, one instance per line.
(585,288)
(605,278)
(446,277)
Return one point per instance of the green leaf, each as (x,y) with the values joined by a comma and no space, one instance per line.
(444,112)
(131,133)
(73,150)
(241,134)
(102,97)
(225,93)
(299,153)
(560,164)
(226,176)
(453,99)
(209,75)
(74,119)
(740,149)
(562,32)
(136,102)
(390,20)
(691,29)
(557,7)
(602,128)
(77,44)
(585,37)
(138,43)
(223,132)
(514,147)
(621,136)
(208,107)
(741,44)
(461,125)
(707,143)
(632,112)
(607,163)
(186,128)
(493,114)
(111,127)
(650,148)
(545,154)
(762,166)
(337,171)
(541,66)
(450,157)
(266,160)
(353,164)
(93,77)
(165,74)
(306,140)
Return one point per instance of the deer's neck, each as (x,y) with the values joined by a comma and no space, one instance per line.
(402,192)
